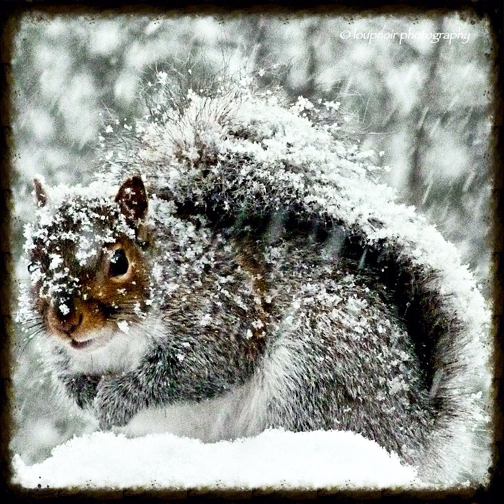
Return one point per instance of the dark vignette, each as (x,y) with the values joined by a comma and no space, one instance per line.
(9,13)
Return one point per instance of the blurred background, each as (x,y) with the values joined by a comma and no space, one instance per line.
(423,106)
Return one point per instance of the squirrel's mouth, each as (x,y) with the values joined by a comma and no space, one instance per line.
(78,345)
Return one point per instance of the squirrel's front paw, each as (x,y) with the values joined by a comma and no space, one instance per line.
(112,406)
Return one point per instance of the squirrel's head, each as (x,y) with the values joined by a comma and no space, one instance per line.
(87,264)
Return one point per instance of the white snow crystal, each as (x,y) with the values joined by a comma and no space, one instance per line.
(56,260)
(123,326)
(63,308)
(205,320)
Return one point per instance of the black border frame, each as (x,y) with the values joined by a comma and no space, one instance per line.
(10,11)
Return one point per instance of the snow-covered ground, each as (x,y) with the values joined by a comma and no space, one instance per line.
(273,459)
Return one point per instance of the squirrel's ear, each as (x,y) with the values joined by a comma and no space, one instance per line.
(132,199)
(40,193)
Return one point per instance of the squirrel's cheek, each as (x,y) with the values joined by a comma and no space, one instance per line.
(122,296)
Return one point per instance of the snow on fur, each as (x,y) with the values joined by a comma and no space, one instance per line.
(266,156)
(263,156)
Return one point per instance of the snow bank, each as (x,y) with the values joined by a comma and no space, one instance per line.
(275,458)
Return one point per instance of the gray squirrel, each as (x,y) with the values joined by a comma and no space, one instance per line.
(246,272)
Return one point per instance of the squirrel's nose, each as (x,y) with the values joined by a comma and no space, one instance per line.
(70,323)
(65,316)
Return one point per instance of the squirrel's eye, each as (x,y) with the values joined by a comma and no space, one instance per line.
(118,263)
